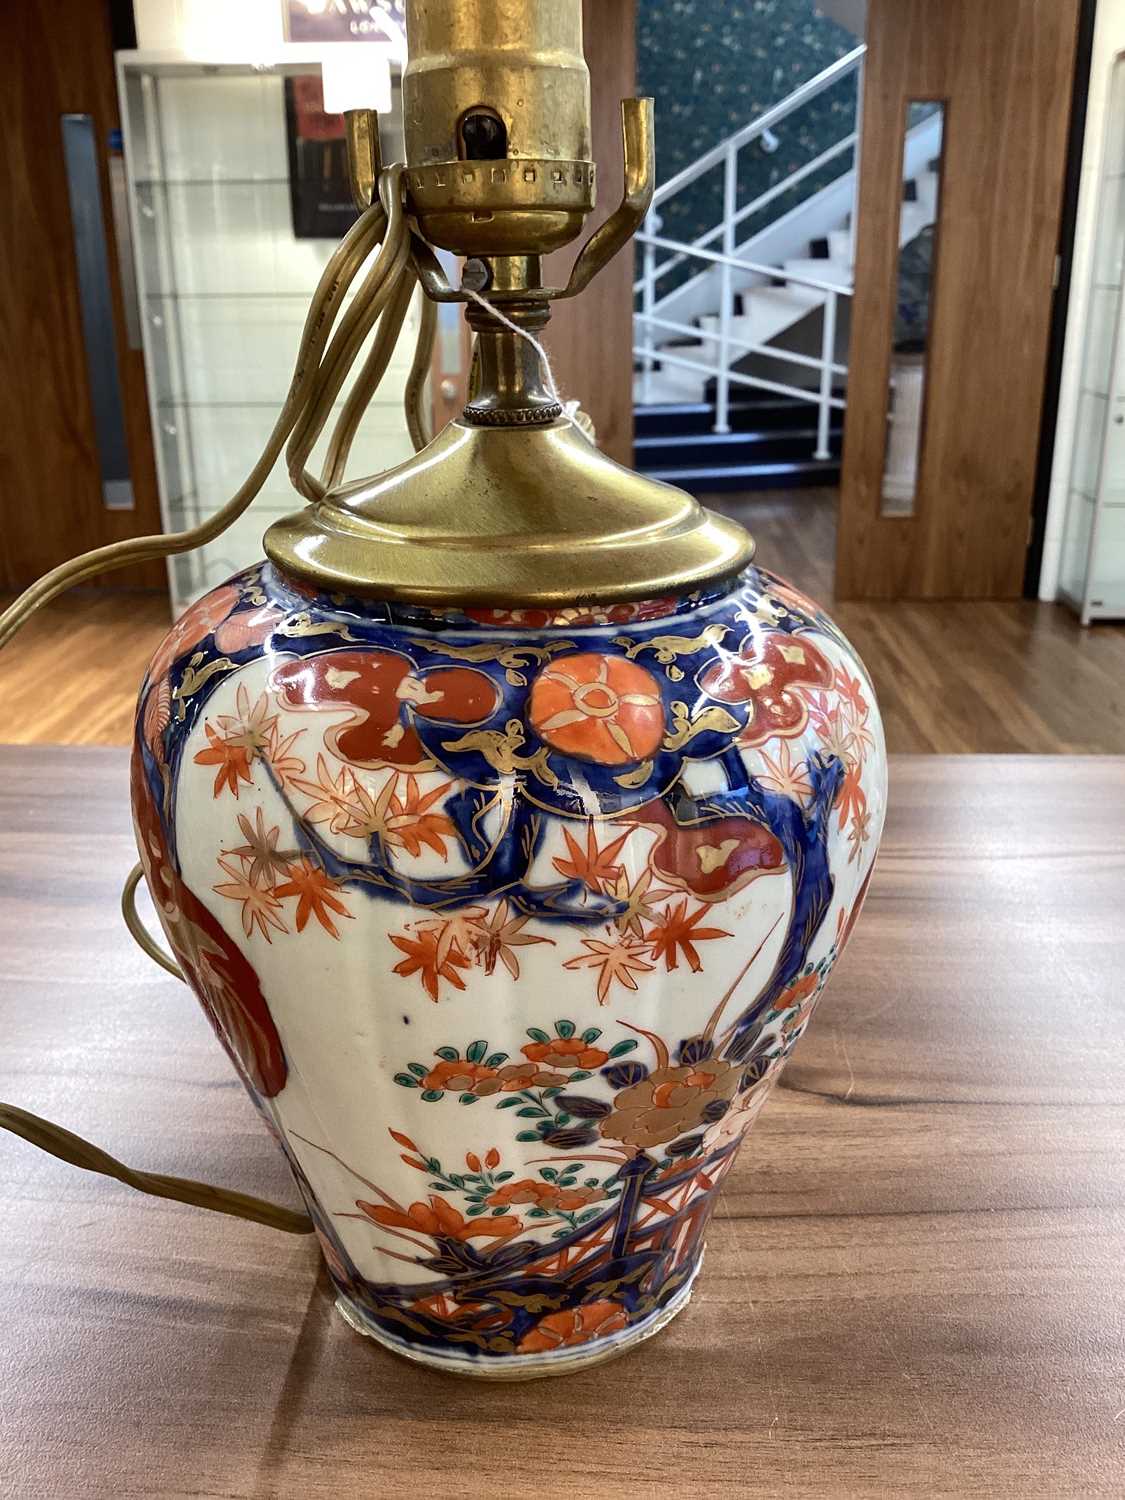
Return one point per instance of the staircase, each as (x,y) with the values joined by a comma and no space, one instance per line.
(742,367)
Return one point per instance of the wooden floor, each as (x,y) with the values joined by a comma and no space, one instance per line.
(951,678)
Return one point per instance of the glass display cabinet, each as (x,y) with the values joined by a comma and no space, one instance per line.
(237,190)
(1092,577)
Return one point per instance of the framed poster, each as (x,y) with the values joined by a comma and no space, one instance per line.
(319,191)
(346,21)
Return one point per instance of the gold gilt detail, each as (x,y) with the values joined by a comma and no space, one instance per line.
(509,657)
(635,778)
(667,648)
(299,626)
(713,720)
(193,679)
(502,752)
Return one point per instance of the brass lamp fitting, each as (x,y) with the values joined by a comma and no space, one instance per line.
(511,504)
(496,99)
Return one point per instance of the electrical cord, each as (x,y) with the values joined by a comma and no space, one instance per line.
(381,234)
(324,361)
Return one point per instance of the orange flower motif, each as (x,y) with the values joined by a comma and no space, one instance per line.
(233,761)
(801,993)
(575,1325)
(492,1159)
(460,1075)
(314,890)
(571,1052)
(547,1195)
(599,708)
(518,1076)
(440,1220)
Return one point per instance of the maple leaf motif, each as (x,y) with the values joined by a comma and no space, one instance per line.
(859,832)
(851,798)
(422,958)
(334,797)
(850,690)
(640,901)
(316,895)
(412,824)
(675,931)
(260,905)
(458,932)
(260,850)
(496,940)
(232,759)
(621,960)
(593,866)
(279,752)
(783,777)
(833,727)
(251,727)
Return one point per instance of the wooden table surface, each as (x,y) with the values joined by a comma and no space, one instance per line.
(915,1284)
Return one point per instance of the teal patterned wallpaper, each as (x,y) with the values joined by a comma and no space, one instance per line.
(713,65)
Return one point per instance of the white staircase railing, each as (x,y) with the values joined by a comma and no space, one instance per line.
(651,318)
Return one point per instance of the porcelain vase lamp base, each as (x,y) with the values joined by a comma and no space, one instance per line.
(566,1359)
(508,920)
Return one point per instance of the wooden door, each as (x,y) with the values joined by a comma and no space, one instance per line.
(1004,72)
(56,59)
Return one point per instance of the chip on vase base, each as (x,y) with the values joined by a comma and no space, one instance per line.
(508,922)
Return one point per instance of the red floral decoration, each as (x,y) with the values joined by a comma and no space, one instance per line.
(575,1325)
(763,676)
(224,981)
(378,686)
(711,859)
(599,708)
(193,626)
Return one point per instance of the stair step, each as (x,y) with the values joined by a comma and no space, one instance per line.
(915,218)
(747,414)
(838,273)
(840,247)
(794,474)
(927,185)
(791,437)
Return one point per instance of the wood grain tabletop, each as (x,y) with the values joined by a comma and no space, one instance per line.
(914,1286)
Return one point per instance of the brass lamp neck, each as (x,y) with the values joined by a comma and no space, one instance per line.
(509,386)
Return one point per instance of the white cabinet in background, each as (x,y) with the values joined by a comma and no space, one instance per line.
(223,286)
(1092,570)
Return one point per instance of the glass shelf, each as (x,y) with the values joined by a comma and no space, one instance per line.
(225,282)
(211,182)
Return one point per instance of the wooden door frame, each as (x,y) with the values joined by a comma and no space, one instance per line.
(950,546)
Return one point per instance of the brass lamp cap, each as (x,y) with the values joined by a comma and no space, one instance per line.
(508,515)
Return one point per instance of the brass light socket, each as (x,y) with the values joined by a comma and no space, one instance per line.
(496,99)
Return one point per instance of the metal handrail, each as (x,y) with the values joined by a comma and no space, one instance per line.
(748,211)
(758,383)
(744,346)
(842,68)
(760,268)
(726,262)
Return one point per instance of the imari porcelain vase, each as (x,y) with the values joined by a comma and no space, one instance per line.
(508,921)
